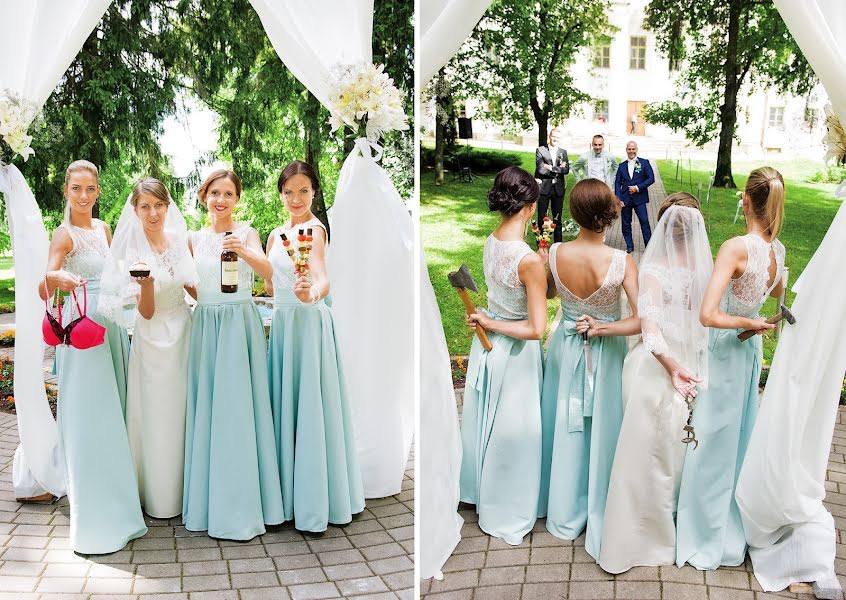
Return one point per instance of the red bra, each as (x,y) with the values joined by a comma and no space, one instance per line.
(81,333)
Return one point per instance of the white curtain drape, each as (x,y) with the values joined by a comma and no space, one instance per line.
(38,41)
(370,257)
(781,486)
(444,25)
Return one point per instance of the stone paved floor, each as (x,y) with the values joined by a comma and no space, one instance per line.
(370,558)
(544,567)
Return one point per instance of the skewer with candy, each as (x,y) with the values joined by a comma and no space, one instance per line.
(543,234)
(299,256)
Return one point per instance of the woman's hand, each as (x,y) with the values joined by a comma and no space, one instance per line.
(587,324)
(761,326)
(478,318)
(65,281)
(544,255)
(146,283)
(232,243)
(685,382)
(302,289)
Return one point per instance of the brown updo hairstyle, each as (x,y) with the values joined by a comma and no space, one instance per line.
(592,205)
(214,176)
(765,190)
(512,190)
(678,199)
(151,186)
(298,167)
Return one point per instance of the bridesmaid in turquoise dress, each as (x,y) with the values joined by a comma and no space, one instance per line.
(582,403)
(231,486)
(105,512)
(747,270)
(501,428)
(315,442)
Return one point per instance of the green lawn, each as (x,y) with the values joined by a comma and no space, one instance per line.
(455,222)
(7,281)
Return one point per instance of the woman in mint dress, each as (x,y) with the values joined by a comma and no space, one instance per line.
(582,405)
(500,427)
(105,512)
(231,484)
(315,442)
(747,270)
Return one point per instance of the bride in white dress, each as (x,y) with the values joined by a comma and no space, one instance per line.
(658,373)
(152,231)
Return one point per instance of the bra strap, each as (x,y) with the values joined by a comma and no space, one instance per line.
(49,305)
(82,311)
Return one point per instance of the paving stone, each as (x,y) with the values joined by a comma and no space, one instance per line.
(455,581)
(71,585)
(727,578)
(374,538)
(391,565)
(264,594)
(579,590)
(383,551)
(504,592)
(302,561)
(254,580)
(502,575)
(350,571)
(218,595)
(252,551)
(716,593)
(108,586)
(340,557)
(399,581)
(504,558)
(683,591)
(364,585)
(159,570)
(544,556)
(301,576)
(205,583)
(642,590)
(547,573)
(327,545)
(639,574)
(314,591)
(251,565)
(544,591)
(157,585)
(211,567)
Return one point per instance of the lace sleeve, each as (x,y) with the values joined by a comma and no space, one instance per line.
(650,302)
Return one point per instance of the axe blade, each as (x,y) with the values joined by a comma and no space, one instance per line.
(463,279)
(788,316)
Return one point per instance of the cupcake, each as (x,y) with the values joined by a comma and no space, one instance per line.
(139,269)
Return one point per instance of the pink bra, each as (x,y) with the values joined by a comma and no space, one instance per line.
(81,333)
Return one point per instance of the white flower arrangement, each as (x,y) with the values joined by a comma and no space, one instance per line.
(362,96)
(835,137)
(16,116)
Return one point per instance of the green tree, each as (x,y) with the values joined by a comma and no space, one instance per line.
(519,55)
(727,46)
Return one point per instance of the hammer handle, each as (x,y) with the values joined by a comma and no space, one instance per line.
(750,332)
(468,306)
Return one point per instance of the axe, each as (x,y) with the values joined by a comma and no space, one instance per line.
(784,313)
(462,281)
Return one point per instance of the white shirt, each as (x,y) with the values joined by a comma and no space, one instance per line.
(553,152)
(596,167)
(632,166)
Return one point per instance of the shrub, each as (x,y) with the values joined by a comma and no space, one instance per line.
(830,174)
(480,160)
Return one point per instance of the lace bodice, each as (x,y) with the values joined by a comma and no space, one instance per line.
(604,303)
(283,268)
(664,307)
(506,293)
(745,295)
(207,246)
(169,291)
(89,253)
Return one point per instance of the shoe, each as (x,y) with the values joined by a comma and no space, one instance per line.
(629,250)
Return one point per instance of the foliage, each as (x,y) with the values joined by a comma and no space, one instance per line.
(518,57)
(7,388)
(7,338)
(478,159)
(829,174)
(725,47)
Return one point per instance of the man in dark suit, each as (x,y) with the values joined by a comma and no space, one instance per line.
(633,177)
(551,168)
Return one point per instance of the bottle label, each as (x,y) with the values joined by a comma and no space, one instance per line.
(229,273)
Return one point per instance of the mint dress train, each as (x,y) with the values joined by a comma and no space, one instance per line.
(105,512)
(709,528)
(501,426)
(231,485)
(315,444)
(582,411)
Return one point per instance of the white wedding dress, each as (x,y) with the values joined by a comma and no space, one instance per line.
(156,393)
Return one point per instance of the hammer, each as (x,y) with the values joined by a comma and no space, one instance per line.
(784,313)
(462,281)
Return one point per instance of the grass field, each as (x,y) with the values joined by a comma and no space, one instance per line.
(7,280)
(455,222)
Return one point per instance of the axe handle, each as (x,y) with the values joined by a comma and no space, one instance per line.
(468,306)
(750,332)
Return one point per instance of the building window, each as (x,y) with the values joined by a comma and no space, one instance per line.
(637,56)
(602,57)
(811,117)
(600,110)
(776,117)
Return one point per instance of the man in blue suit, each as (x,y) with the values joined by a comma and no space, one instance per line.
(633,177)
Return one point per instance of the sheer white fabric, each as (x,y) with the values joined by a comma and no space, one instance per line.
(444,25)
(43,37)
(370,261)
(506,293)
(674,273)
(119,292)
(782,481)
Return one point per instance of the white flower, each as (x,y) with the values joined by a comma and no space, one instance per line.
(16,115)
(363,94)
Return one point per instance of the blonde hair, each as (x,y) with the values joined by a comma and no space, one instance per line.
(75,167)
(151,186)
(765,190)
(214,176)
(678,199)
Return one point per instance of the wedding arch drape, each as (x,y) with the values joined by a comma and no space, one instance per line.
(781,486)
(38,41)
(445,24)
(370,258)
